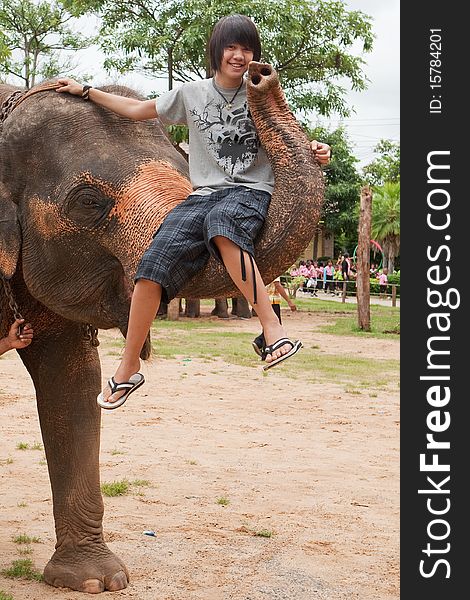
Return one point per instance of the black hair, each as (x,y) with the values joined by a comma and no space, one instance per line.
(233,29)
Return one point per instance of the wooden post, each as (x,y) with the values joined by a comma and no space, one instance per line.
(363,260)
(343,295)
(394,295)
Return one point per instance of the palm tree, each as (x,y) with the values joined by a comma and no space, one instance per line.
(386,221)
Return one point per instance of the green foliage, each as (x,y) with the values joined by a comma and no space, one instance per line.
(385,168)
(115,488)
(223,501)
(5,596)
(339,212)
(386,325)
(22,569)
(26,539)
(33,36)
(311,43)
(266,533)
(386,221)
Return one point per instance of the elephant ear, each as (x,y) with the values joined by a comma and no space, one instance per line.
(10,236)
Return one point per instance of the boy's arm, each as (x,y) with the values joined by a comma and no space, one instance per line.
(132,108)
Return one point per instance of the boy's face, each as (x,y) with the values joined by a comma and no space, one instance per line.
(235,61)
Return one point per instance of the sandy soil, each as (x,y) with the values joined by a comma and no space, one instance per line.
(315,465)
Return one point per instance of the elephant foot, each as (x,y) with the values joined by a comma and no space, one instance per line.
(91,571)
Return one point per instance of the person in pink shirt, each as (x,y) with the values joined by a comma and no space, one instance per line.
(311,275)
(383,280)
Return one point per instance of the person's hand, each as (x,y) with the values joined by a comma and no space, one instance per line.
(20,339)
(322,152)
(69,85)
(292,306)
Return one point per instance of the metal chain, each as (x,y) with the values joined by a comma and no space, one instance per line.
(15,309)
(90,333)
(9,104)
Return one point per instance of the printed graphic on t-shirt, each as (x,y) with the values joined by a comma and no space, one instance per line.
(230,135)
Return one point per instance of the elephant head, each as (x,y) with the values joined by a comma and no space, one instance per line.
(82,192)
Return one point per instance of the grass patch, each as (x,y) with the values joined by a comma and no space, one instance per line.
(174,340)
(6,461)
(25,539)
(5,596)
(351,369)
(37,446)
(22,446)
(141,482)
(266,533)
(115,488)
(223,501)
(115,452)
(22,505)
(352,391)
(384,325)
(22,569)
(122,487)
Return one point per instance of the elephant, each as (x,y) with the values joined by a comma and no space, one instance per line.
(82,191)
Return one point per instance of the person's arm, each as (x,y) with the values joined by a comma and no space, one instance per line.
(282,292)
(15,339)
(132,108)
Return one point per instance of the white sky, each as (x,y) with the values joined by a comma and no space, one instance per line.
(376,109)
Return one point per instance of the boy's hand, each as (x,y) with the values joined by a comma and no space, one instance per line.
(69,85)
(322,152)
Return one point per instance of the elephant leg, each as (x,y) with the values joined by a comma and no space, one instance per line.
(65,370)
(221,308)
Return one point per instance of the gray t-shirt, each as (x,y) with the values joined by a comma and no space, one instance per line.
(224,148)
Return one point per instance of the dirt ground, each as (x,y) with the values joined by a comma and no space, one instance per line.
(315,467)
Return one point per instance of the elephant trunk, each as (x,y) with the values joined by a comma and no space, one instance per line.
(298,178)
(297,199)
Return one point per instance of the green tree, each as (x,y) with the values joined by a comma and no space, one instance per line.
(386,167)
(31,38)
(339,213)
(309,42)
(386,221)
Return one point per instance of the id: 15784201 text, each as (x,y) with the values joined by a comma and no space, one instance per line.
(435,71)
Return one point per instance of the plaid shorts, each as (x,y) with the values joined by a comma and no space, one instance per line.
(183,243)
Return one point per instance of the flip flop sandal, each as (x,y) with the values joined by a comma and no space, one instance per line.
(134,382)
(257,349)
(296,346)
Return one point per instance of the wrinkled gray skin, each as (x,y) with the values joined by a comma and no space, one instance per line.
(75,217)
(81,193)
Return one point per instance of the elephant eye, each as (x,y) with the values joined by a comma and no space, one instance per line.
(87,205)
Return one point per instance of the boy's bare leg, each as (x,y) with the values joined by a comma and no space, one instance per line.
(272,329)
(144,305)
